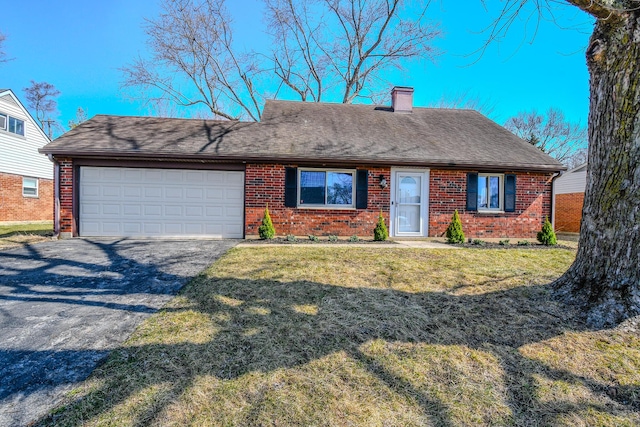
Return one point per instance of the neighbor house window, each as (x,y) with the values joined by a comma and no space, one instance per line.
(11,124)
(490,192)
(16,126)
(326,188)
(30,187)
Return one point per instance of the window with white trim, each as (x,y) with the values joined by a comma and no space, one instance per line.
(11,124)
(490,191)
(331,188)
(29,187)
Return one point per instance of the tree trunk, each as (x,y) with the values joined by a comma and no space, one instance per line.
(605,277)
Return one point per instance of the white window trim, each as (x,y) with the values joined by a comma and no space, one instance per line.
(326,206)
(6,125)
(37,187)
(500,192)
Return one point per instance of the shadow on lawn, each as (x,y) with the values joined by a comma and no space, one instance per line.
(263,329)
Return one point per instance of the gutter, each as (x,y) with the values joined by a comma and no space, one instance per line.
(440,164)
(56,197)
(553,199)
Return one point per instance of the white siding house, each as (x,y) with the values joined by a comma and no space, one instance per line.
(19,146)
(573,181)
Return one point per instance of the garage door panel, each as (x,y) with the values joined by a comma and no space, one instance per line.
(140,202)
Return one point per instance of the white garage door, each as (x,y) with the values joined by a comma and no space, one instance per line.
(137,202)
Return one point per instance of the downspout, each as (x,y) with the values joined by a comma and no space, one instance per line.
(553,199)
(56,196)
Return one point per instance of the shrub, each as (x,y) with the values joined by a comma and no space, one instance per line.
(454,230)
(479,242)
(333,238)
(547,236)
(313,238)
(291,238)
(523,243)
(354,238)
(267,230)
(380,233)
(504,242)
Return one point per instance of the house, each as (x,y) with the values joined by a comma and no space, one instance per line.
(26,176)
(568,199)
(321,168)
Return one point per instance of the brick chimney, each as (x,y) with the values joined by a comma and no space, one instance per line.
(402,99)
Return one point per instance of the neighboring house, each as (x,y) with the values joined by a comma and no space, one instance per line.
(26,176)
(568,199)
(321,168)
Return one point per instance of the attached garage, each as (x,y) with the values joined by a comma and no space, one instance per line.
(146,202)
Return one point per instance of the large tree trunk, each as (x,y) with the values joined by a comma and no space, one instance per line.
(605,277)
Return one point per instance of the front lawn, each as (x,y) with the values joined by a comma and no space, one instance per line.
(368,337)
(25,233)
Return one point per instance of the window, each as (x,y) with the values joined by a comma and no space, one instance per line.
(11,124)
(16,126)
(490,192)
(29,187)
(330,188)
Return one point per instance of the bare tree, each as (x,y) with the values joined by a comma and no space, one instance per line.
(342,47)
(195,62)
(40,98)
(465,99)
(550,132)
(605,278)
(3,53)
(81,117)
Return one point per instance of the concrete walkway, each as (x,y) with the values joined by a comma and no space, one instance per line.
(429,244)
(64,305)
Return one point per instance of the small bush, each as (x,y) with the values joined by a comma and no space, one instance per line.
(504,242)
(380,233)
(313,238)
(266,230)
(523,243)
(479,242)
(333,238)
(547,236)
(454,231)
(354,238)
(291,238)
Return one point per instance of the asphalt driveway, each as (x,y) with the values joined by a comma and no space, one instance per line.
(64,305)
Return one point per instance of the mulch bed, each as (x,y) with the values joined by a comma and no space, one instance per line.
(305,241)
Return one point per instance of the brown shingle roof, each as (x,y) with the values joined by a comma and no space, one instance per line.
(296,131)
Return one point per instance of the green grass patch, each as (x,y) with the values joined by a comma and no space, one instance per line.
(24,233)
(372,337)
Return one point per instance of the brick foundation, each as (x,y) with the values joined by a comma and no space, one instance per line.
(265,184)
(568,212)
(15,207)
(447,192)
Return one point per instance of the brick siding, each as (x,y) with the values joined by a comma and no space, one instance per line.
(569,212)
(448,192)
(265,184)
(15,207)
(66,196)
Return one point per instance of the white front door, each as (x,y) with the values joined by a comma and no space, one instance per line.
(409,203)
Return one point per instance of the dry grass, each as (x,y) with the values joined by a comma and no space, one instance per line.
(372,337)
(26,233)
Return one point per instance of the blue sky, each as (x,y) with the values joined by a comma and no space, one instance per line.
(79,46)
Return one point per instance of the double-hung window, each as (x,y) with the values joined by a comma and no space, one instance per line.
(29,187)
(331,188)
(490,190)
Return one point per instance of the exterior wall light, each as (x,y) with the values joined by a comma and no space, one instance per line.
(383,181)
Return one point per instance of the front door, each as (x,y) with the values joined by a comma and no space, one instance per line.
(409,203)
